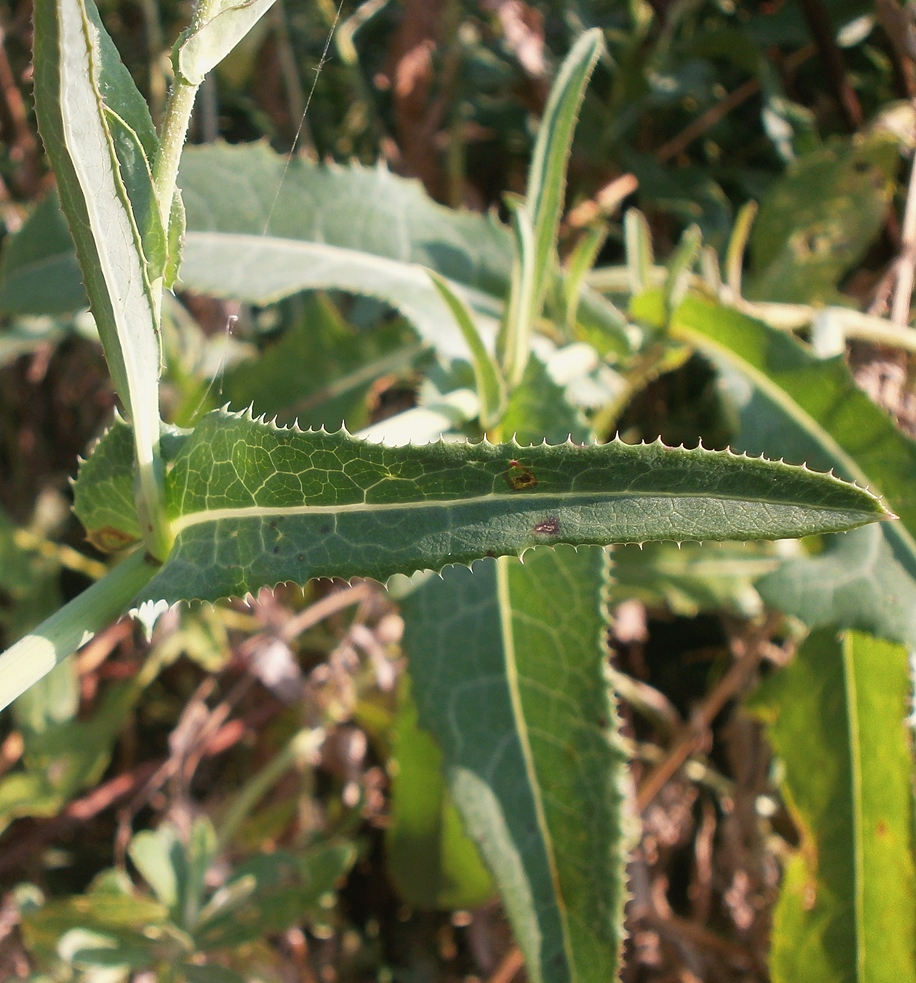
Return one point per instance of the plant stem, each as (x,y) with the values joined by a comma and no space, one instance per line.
(175,124)
(35,655)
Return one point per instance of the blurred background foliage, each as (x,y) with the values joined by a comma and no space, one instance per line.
(259,741)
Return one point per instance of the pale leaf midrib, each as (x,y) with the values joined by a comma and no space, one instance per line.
(545,500)
(855,771)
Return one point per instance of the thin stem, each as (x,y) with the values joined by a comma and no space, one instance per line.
(175,125)
(32,657)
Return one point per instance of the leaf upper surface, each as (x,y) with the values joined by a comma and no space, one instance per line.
(252,504)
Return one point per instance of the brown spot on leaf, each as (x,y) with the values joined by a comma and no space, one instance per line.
(110,540)
(547,527)
(519,477)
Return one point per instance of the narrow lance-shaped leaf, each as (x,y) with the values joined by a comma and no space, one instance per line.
(252,504)
(491,389)
(847,907)
(69,86)
(547,175)
(508,676)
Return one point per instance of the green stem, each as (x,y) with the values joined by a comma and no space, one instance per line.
(35,655)
(299,748)
(175,124)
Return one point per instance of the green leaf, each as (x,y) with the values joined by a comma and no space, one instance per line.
(39,273)
(545,194)
(856,582)
(538,410)
(803,408)
(817,222)
(491,388)
(268,893)
(207,42)
(847,908)
(507,668)
(252,504)
(72,78)
(431,860)
(358,229)
(176,870)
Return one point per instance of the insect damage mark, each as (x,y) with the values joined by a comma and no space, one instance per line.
(519,477)
(547,527)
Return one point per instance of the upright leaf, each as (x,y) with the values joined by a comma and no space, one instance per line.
(847,908)
(507,668)
(72,77)
(545,194)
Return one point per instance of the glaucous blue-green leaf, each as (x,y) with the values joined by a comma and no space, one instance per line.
(259,231)
(546,191)
(837,717)
(251,504)
(817,221)
(539,410)
(39,273)
(507,669)
(854,582)
(802,408)
(491,387)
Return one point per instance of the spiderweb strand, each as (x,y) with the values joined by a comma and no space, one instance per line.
(322,61)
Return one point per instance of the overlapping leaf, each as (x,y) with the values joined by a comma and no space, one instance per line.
(807,409)
(507,667)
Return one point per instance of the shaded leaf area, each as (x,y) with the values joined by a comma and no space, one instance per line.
(507,674)
(431,859)
(321,371)
(816,222)
(846,908)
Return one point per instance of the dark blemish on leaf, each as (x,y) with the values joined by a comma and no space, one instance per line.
(519,477)
(301,557)
(547,527)
(110,540)
(860,166)
(276,549)
(603,723)
(325,529)
(490,553)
